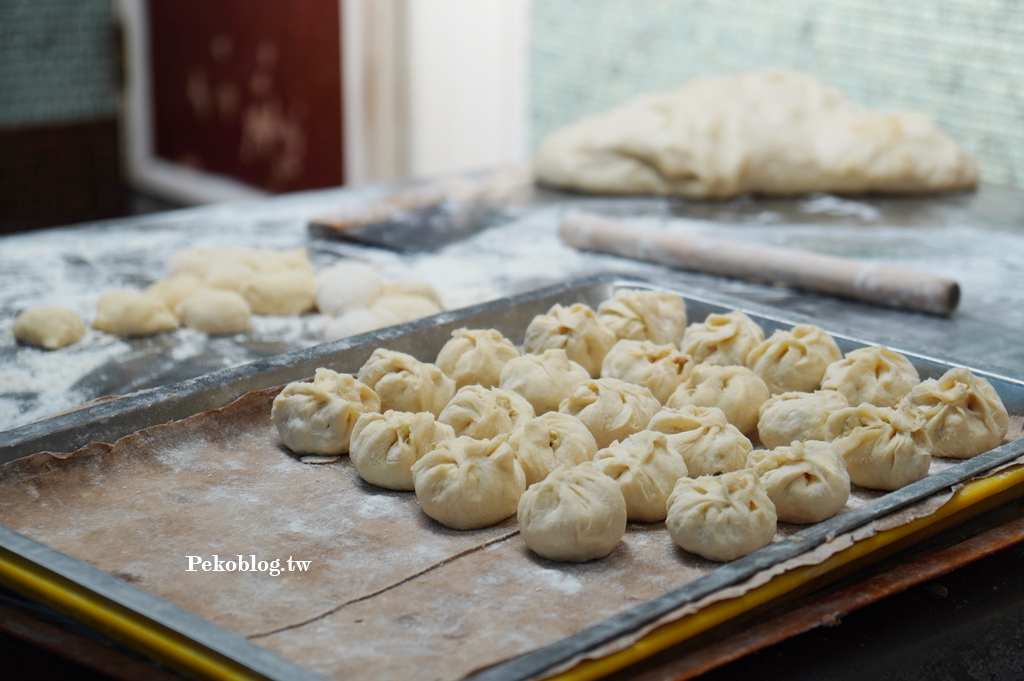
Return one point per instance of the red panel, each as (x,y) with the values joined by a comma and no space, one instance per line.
(249,89)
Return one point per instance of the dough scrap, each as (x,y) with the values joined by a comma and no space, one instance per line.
(484,413)
(722,339)
(883,448)
(645,469)
(645,316)
(318,417)
(406,384)
(611,409)
(550,440)
(708,443)
(129,313)
(794,361)
(660,368)
(544,380)
(575,329)
(806,481)
(797,416)
(385,446)
(873,374)
(214,311)
(48,327)
(475,356)
(735,390)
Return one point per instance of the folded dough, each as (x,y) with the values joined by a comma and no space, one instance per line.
(645,315)
(576,514)
(48,327)
(708,443)
(475,356)
(544,380)
(735,390)
(722,339)
(611,409)
(575,329)
(546,442)
(646,469)
(883,448)
(406,384)
(873,374)
(660,368)
(806,481)
(384,446)
(129,313)
(484,413)
(765,132)
(318,417)
(794,361)
(797,416)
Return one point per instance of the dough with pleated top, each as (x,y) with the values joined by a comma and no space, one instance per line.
(611,409)
(652,316)
(476,357)
(544,380)
(807,481)
(406,384)
(660,368)
(794,361)
(385,446)
(735,390)
(575,329)
(48,327)
(550,440)
(797,416)
(646,469)
(883,448)
(318,417)
(484,413)
(874,374)
(722,339)
(708,443)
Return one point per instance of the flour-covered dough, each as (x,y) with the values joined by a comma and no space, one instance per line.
(611,409)
(384,446)
(722,339)
(873,374)
(214,311)
(646,469)
(407,307)
(797,416)
(807,481)
(318,417)
(884,448)
(358,321)
(575,329)
(550,440)
(129,313)
(544,380)
(173,290)
(475,356)
(484,413)
(708,443)
(794,361)
(735,390)
(660,368)
(406,384)
(284,292)
(346,286)
(645,315)
(48,327)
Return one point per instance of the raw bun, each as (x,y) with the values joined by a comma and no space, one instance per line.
(175,289)
(406,384)
(806,481)
(575,329)
(410,287)
(467,484)
(735,390)
(708,443)
(475,356)
(129,313)
(48,327)
(407,308)
(769,132)
(214,311)
(318,417)
(358,321)
(544,380)
(797,416)
(874,374)
(721,517)
(207,262)
(347,286)
(963,414)
(645,469)
(385,446)
(576,514)
(883,448)
(611,409)
(722,339)
(660,368)
(484,413)
(546,442)
(645,316)
(284,292)
(794,361)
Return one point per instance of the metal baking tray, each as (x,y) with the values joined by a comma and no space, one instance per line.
(170,633)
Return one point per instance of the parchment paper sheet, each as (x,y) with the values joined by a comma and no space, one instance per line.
(389,593)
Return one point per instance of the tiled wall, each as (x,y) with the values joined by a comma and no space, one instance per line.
(961,62)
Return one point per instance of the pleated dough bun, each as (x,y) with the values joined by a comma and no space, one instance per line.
(214,311)
(806,481)
(645,469)
(797,416)
(645,316)
(874,374)
(660,368)
(546,442)
(963,414)
(476,356)
(722,339)
(48,327)
(467,484)
(708,443)
(794,361)
(484,413)
(721,517)
(543,380)
(129,313)
(883,448)
(735,390)
(318,417)
(575,329)
(576,514)
(611,409)
(385,446)
(406,384)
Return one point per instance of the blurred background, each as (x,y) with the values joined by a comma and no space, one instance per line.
(113,107)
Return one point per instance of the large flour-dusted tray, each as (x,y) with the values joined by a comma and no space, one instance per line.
(106,533)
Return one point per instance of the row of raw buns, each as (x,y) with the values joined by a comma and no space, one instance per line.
(472,432)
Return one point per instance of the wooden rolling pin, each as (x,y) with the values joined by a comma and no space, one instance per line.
(843,277)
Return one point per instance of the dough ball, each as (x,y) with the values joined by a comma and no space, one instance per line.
(129,313)
(476,356)
(285,292)
(410,287)
(610,409)
(546,442)
(175,289)
(645,316)
(883,448)
(797,417)
(576,514)
(722,339)
(467,484)
(768,132)
(359,321)
(874,374)
(721,517)
(806,481)
(385,446)
(963,414)
(214,311)
(794,361)
(346,286)
(484,413)
(660,368)
(48,327)
(199,261)
(708,443)
(544,380)
(318,417)
(575,329)
(406,384)
(407,308)
(645,469)
(735,390)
